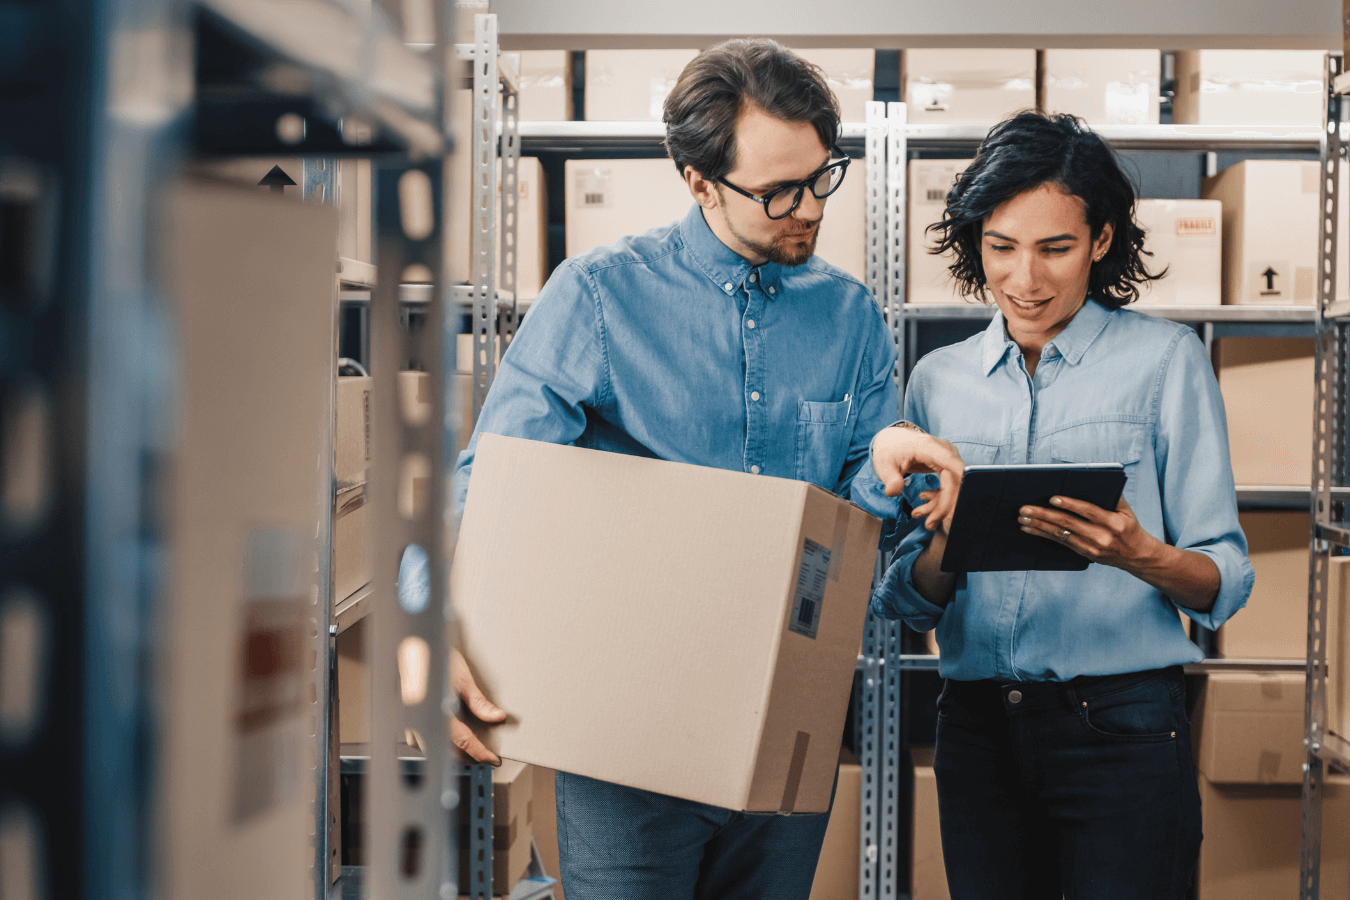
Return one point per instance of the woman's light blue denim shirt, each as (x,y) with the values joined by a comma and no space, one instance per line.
(1113,386)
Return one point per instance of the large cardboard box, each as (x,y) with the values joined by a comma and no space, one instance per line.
(1105,87)
(512,827)
(928,876)
(1252,835)
(608,199)
(704,621)
(1249,87)
(1185,238)
(1267,386)
(545,86)
(246,499)
(840,859)
(1247,728)
(353,688)
(632,85)
(968,87)
(1270,228)
(351,450)
(1274,623)
(927,278)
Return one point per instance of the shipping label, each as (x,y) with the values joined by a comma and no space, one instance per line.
(809,596)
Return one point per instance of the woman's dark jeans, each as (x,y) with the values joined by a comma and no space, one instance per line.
(1082,789)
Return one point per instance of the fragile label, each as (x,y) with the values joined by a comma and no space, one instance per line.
(1188,226)
(809,596)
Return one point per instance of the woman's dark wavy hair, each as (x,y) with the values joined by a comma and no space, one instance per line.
(1022,153)
(702,110)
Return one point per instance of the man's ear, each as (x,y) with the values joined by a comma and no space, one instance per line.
(703,190)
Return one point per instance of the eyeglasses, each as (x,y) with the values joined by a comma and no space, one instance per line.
(779,203)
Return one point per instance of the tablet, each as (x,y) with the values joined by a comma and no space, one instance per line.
(985,535)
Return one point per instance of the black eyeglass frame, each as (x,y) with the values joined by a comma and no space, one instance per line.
(842,160)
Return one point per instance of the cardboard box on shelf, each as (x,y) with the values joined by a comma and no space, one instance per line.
(355,210)
(967,87)
(1270,227)
(850,73)
(545,86)
(1105,87)
(1251,849)
(512,827)
(928,877)
(710,618)
(927,278)
(1267,386)
(1274,623)
(837,870)
(608,199)
(351,429)
(1249,87)
(1247,728)
(353,688)
(631,85)
(351,561)
(545,815)
(1185,238)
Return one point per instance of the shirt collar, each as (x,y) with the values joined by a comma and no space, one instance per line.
(1071,343)
(726,269)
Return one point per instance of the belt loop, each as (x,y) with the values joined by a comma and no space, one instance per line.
(1069,694)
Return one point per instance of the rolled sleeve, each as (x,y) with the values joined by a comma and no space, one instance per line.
(1199,495)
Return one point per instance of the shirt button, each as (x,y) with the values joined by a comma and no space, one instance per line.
(754,395)
(1014,696)
(754,276)
(750,323)
(754,470)
(728,286)
(773,290)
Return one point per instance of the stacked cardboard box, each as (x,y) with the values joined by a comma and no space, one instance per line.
(1267,386)
(1105,87)
(1185,239)
(1270,228)
(927,278)
(1249,87)
(512,827)
(1247,733)
(840,859)
(545,86)
(1338,647)
(632,85)
(723,682)
(968,87)
(928,877)
(1274,624)
(608,199)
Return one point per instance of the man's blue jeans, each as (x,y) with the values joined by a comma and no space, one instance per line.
(621,843)
(1082,789)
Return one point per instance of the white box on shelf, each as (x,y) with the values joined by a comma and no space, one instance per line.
(631,85)
(968,87)
(1249,87)
(850,73)
(1185,238)
(1105,87)
(545,86)
(927,278)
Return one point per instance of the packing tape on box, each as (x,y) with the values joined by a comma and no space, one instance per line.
(795,769)
(837,543)
(1268,767)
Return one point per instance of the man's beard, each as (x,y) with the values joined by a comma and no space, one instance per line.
(777,250)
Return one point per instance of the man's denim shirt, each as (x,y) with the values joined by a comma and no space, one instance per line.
(1111,387)
(669,345)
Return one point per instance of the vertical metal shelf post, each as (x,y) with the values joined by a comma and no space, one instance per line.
(1329,424)
(510,193)
(408,832)
(482,142)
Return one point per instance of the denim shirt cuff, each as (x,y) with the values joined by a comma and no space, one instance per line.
(1236,578)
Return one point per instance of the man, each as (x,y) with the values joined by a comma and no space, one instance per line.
(720,340)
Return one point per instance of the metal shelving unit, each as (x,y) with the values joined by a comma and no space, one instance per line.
(1330,533)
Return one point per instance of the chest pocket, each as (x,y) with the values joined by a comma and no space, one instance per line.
(1103,442)
(822,441)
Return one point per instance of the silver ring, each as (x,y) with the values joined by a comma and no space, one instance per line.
(1065,534)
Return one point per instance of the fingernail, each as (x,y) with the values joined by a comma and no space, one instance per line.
(1026,510)
(1024,520)
(1057,501)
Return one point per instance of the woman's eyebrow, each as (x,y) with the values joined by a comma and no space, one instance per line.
(1050,240)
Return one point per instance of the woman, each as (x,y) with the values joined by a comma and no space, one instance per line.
(1063,761)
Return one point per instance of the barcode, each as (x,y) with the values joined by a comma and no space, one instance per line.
(807,613)
(936,195)
(593,198)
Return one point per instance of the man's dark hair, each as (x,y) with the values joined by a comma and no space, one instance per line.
(701,112)
(1023,152)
